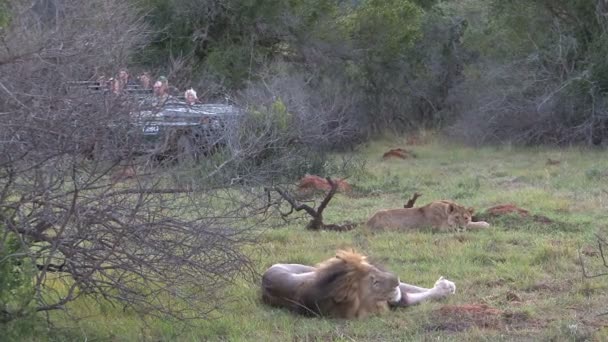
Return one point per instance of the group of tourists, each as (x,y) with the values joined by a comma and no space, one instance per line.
(123,83)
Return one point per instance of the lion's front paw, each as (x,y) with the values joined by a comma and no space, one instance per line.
(444,287)
(483,224)
(478,225)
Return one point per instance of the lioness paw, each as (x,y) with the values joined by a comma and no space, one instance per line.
(482,224)
(478,225)
(444,287)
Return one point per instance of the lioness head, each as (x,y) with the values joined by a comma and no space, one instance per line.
(458,216)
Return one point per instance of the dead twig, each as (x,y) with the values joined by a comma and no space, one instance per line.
(410,203)
(601,242)
(317,214)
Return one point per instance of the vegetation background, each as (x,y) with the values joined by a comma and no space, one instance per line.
(488,90)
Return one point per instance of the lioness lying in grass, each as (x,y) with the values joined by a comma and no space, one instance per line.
(444,215)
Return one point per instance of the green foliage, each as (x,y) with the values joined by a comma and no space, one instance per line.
(384,28)
(596,174)
(546,26)
(232,39)
(4,14)
(504,30)
(516,43)
(403,59)
(16,272)
(280,116)
(274,118)
(219,37)
(230,64)
(598,65)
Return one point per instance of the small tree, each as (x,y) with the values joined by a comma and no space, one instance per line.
(316,223)
(152,245)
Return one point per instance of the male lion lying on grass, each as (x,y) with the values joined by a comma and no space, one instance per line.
(444,215)
(345,286)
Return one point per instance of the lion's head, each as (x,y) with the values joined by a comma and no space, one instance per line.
(348,286)
(458,216)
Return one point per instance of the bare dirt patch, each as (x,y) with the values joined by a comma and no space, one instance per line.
(512,182)
(590,251)
(398,153)
(503,209)
(416,140)
(513,211)
(455,318)
(553,286)
(310,184)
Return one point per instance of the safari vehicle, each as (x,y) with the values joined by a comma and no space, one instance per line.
(184,132)
(167,130)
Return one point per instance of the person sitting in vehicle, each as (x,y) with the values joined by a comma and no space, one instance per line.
(123,76)
(115,86)
(160,94)
(169,89)
(164,83)
(126,82)
(145,80)
(190,96)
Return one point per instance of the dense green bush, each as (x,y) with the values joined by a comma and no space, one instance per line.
(539,75)
(408,63)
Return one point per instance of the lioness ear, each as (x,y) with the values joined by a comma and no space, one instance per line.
(471,210)
(450,208)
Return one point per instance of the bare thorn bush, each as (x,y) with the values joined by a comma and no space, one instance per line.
(139,239)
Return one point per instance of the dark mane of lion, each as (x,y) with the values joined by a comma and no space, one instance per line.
(335,288)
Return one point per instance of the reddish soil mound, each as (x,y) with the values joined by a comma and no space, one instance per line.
(398,153)
(504,209)
(124,173)
(415,140)
(469,309)
(462,317)
(310,183)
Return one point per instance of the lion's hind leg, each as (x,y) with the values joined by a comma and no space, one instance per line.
(281,281)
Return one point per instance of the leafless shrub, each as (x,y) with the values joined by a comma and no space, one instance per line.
(546,97)
(321,111)
(285,132)
(153,245)
(602,245)
(316,223)
(516,104)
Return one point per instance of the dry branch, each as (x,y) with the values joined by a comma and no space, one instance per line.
(317,214)
(410,203)
(601,242)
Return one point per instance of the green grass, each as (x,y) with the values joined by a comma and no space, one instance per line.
(538,263)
